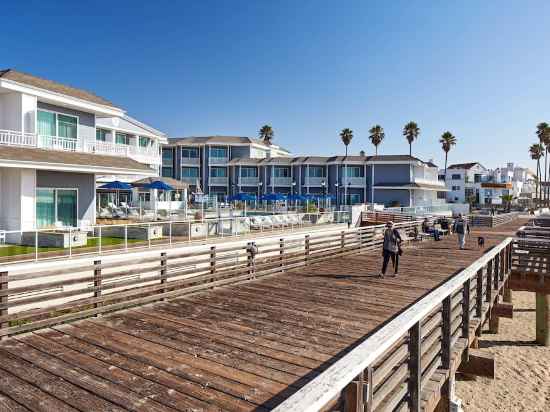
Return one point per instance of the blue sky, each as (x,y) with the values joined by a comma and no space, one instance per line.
(308,68)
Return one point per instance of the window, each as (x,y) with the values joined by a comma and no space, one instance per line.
(218,172)
(316,171)
(190,152)
(456,188)
(190,172)
(101,135)
(56,205)
(218,152)
(122,138)
(249,172)
(145,141)
(167,156)
(353,171)
(441,177)
(57,124)
(281,171)
(167,171)
(455,177)
(477,178)
(354,198)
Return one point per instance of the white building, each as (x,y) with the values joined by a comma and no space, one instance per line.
(54,141)
(464,182)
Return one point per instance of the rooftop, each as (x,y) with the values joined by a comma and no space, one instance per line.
(52,86)
(464,165)
(217,139)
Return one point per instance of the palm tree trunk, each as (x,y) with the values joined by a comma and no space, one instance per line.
(410,149)
(445,177)
(545,167)
(346,150)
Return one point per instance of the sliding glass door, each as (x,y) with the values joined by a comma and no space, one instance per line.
(56,205)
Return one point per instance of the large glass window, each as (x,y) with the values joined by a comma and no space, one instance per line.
(190,152)
(353,171)
(455,177)
(56,205)
(145,141)
(190,172)
(101,135)
(218,152)
(281,172)
(57,124)
(167,171)
(122,138)
(249,172)
(316,171)
(167,156)
(218,172)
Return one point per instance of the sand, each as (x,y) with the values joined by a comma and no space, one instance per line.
(522,368)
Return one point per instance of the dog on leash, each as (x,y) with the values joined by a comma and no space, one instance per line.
(481,242)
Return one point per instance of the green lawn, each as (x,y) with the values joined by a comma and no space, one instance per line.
(14,250)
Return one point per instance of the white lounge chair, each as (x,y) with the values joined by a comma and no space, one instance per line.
(105,213)
(267,222)
(256,222)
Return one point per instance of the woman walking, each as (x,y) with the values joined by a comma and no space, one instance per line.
(391,248)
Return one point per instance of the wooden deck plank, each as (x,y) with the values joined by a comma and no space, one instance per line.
(242,347)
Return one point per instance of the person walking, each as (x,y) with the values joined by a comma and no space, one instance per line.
(461,228)
(391,248)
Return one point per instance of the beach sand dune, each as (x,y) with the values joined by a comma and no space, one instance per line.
(523,368)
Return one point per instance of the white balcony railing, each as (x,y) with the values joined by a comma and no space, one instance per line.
(354,181)
(218,160)
(190,180)
(249,181)
(190,161)
(149,154)
(281,181)
(218,181)
(315,181)
(424,181)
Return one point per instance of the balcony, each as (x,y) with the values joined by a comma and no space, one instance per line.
(281,181)
(354,181)
(218,161)
(190,180)
(190,161)
(218,181)
(431,182)
(249,181)
(149,154)
(315,181)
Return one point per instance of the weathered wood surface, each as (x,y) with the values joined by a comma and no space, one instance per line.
(242,347)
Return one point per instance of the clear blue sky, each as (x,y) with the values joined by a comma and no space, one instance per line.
(309,68)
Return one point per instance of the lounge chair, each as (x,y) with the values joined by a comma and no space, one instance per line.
(279,220)
(105,213)
(256,222)
(2,236)
(267,222)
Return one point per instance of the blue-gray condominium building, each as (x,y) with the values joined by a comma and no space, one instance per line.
(226,165)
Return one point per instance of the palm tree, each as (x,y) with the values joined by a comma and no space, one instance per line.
(266,134)
(447,142)
(543,133)
(537,151)
(411,132)
(346,135)
(376,136)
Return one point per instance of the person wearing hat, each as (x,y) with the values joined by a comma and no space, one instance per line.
(390,249)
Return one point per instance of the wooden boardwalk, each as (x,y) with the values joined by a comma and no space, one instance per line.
(244,347)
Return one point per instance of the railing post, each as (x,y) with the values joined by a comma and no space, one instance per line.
(466,317)
(35,244)
(342,240)
(170,232)
(163,272)
(479,293)
(70,242)
(446,333)
(97,283)
(503,262)
(496,274)
(370,389)
(415,367)
(281,252)
(489,286)
(353,395)
(306,249)
(4,301)
(212,262)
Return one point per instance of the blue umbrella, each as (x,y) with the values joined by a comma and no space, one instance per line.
(273,197)
(242,197)
(297,198)
(159,185)
(116,185)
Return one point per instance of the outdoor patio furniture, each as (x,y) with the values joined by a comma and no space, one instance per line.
(2,236)
(256,222)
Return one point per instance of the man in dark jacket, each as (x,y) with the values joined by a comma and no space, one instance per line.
(461,228)
(390,249)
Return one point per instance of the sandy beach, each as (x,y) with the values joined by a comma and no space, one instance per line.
(522,368)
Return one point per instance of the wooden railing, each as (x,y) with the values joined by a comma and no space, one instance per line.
(383,217)
(45,296)
(492,221)
(392,368)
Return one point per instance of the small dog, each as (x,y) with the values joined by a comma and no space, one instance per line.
(481,242)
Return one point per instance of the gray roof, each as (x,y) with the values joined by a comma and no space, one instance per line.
(25,154)
(143,126)
(176,184)
(52,86)
(464,165)
(219,139)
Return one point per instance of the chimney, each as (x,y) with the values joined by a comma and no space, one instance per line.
(362,153)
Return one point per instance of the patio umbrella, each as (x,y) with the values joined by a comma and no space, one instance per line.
(241,197)
(273,197)
(159,185)
(117,186)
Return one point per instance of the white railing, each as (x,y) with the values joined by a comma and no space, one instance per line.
(424,181)
(315,181)
(354,181)
(218,160)
(249,181)
(218,181)
(190,160)
(190,180)
(12,138)
(281,181)
(150,154)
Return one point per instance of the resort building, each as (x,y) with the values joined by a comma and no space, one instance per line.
(226,165)
(55,141)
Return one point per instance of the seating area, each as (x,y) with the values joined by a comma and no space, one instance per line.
(275,221)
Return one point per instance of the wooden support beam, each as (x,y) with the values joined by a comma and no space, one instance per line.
(4,300)
(353,395)
(543,319)
(503,310)
(507,296)
(493,323)
(479,364)
(529,282)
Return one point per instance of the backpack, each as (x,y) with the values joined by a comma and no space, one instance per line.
(459,227)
